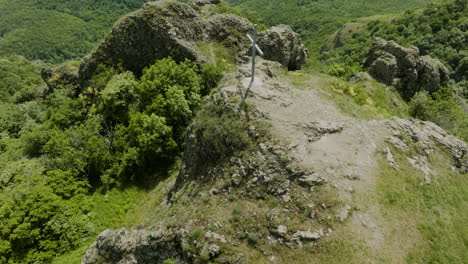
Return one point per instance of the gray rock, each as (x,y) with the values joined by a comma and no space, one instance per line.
(317,129)
(384,68)
(343,214)
(390,158)
(282,230)
(213,250)
(283,45)
(430,136)
(404,68)
(311,179)
(135,246)
(308,235)
(206,2)
(215,236)
(170,28)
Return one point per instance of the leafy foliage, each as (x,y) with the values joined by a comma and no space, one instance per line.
(442,109)
(30,28)
(55,152)
(18,79)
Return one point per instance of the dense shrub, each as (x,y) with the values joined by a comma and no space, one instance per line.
(443,109)
(54,152)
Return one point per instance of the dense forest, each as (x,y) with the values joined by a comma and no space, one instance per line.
(30,28)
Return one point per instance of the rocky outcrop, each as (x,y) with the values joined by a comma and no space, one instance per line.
(62,77)
(282,44)
(169,28)
(404,68)
(430,137)
(135,246)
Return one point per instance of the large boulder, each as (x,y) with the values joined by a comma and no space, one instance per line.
(404,68)
(282,44)
(169,28)
(158,30)
(135,246)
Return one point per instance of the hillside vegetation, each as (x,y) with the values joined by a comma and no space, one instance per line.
(168,145)
(57,151)
(315,20)
(440,31)
(55,31)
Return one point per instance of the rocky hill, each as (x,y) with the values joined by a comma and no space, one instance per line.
(148,150)
(299,180)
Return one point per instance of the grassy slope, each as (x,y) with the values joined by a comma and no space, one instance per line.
(317,19)
(434,214)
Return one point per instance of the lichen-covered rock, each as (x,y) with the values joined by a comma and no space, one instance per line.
(404,68)
(430,136)
(62,77)
(282,44)
(158,30)
(206,2)
(169,28)
(125,246)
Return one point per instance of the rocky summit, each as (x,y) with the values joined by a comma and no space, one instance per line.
(168,28)
(404,68)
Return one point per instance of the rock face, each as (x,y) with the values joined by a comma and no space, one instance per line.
(169,28)
(404,68)
(158,30)
(135,246)
(62,77)
(283,45)
(430,136)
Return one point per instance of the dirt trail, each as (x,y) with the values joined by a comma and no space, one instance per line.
(338,148)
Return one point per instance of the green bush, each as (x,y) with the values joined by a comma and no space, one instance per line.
(442,109)
(119,97)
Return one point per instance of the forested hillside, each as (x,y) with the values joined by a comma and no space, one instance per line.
(315,20)
(55,31)
(440,31)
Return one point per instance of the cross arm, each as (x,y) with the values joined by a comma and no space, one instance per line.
(260,52)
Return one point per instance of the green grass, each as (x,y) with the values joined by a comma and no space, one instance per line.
(437,211)
(218,55)
(361,99)
(112,210)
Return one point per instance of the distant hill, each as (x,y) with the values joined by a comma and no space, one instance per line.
(317,19)
(54,30)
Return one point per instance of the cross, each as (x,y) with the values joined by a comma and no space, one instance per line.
(255,49)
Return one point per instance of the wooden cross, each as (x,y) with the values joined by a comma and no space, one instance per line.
(255,49)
